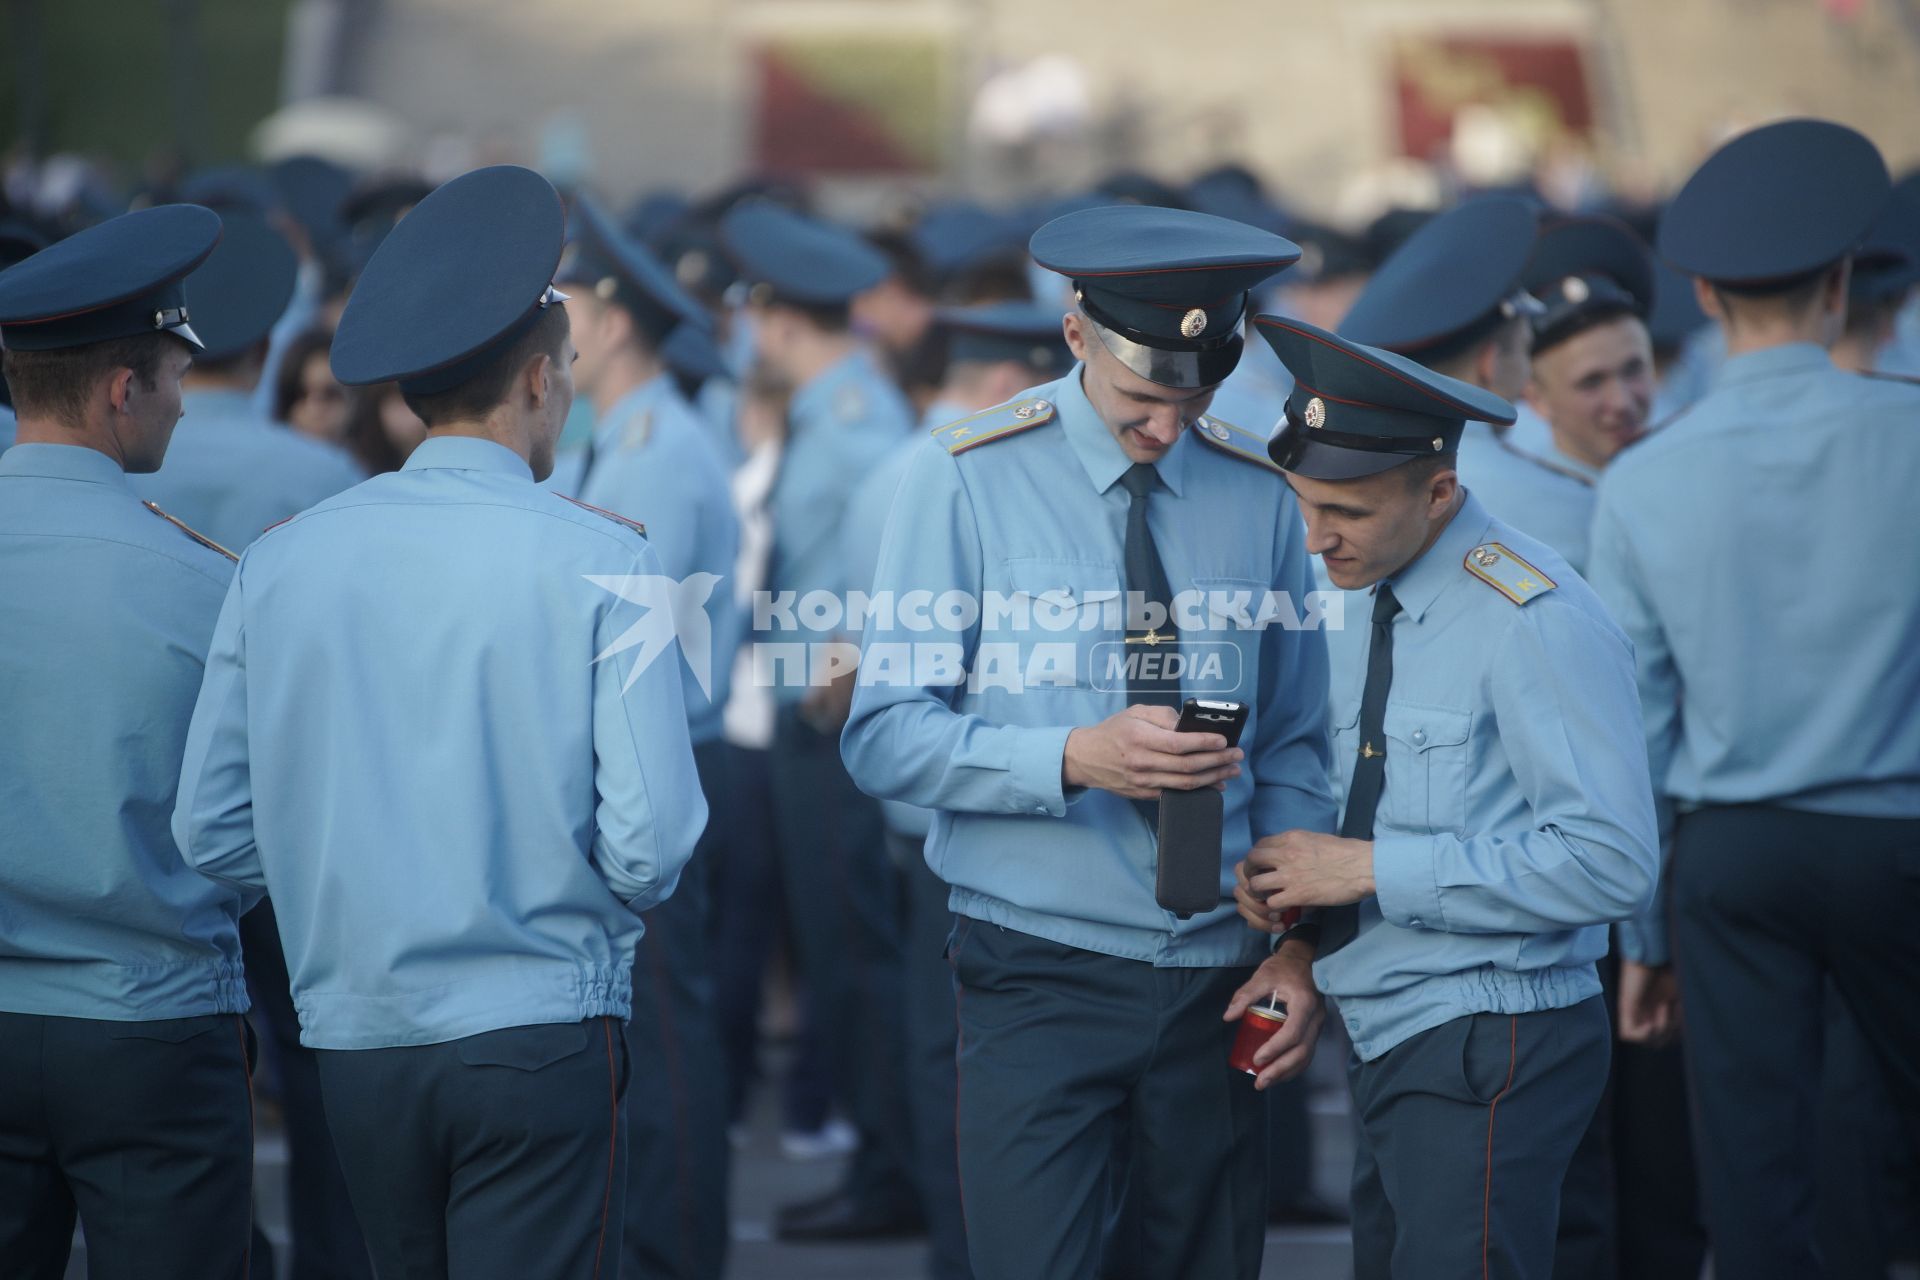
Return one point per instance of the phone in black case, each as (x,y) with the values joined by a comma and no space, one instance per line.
(1205,715)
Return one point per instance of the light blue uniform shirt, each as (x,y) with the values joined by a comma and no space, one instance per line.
(104,632)
(1538,501)
(230,473)
(1531,437)
(839,425)
(653,462)
(405,738)
(1761,553)
(6,428)
(1039,518)
(864,532)
(1516,821)
(1254,396)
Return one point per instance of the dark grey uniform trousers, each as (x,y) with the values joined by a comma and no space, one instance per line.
(932,1036)
(1769,905)
(1630,1205)
(501,1156)
(1061,1052)
(844,912)
(677,1150)
(1466,1133)
(146,1128)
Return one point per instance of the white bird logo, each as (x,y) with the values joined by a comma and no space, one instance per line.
(673,610)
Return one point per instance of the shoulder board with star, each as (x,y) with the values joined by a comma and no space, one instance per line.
(1495,564)
(614,516)
(1235,442)
(198,537)
(637,431)
(993,424)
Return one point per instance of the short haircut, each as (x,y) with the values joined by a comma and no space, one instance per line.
(1790,298)
(1424,468)
(58,384)
(482,393)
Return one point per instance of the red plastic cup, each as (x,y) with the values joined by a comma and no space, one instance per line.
(1257,1026)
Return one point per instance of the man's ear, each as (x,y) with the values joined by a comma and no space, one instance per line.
(1076,334)
(539,378)
(1834,290)
(1709,299)
(120,388)
(1440,491)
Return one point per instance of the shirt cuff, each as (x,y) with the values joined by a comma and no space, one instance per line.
(1404,881)
(1039,756)
(1643,940)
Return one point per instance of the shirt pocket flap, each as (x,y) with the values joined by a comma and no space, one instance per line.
(1063,584)
(524,1048)
(1424,728)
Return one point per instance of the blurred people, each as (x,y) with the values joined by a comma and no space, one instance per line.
(841,893)
(1452,298)
(307,397)
(1780,722)
(420,725)
(228,472)
(382,429)
(650,459)
(124,1058)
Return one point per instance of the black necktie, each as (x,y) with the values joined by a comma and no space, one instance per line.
(1151,650)
(1337,924)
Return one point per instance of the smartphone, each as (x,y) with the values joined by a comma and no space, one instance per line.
(1205,715)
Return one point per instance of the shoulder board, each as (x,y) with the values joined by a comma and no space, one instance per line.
(1880,376)
(637,431)
(1546,464)
(614,516)
(1497,566)
(993,424)
(1235,442)
(200,538)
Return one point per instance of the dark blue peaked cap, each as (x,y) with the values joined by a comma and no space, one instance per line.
(239,293)
(1451,280)
(1780,202)
(1165,288)
(691,351)
(1023,331)
(118,279)
(1888,263)
(799,259)
(1357,410)
(619,269)
(1584,269)
(462,275)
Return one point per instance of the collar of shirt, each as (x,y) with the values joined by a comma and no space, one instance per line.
(217,404)
(816,395)
(636,401)
(63,462)
(1771,362)
(1419,584)
(466,453)
(1096,446)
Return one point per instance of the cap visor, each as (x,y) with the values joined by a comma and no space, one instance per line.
(1328,462)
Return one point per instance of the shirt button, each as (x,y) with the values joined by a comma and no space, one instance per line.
(1419,736)
(1040,808)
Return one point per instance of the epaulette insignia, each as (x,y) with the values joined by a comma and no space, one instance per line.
(200,538)
(1494,564)
(637,432)
(1234,441)
(993,424)
(614,516)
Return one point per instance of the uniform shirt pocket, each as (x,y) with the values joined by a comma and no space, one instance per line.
(1061,618)
(1427,759)
(524,1048)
